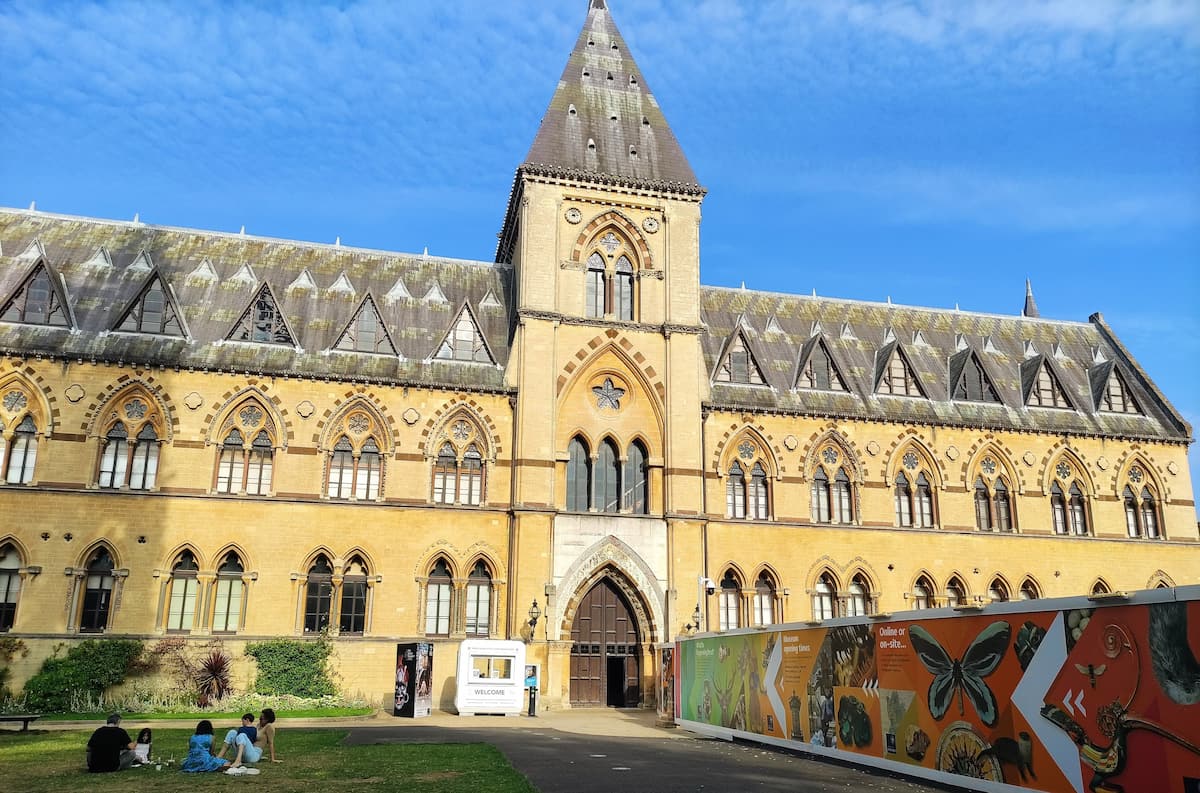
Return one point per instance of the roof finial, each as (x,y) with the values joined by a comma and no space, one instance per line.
(1030,309)
(33,206)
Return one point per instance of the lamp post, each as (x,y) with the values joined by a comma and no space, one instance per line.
(535,613)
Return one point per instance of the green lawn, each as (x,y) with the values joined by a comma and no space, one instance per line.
(312,760)
(312,713)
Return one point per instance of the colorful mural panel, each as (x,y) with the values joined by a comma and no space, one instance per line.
(1083,697)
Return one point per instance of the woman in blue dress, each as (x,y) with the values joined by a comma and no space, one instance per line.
(200,757)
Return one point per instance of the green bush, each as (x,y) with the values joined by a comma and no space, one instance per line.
(286,666)
(10,648)
(85,671)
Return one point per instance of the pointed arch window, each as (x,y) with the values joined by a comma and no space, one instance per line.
(843,498)
(318,595)
(36,302)
(903,499)
(623,289)
(956,593)
(739,365)
(1029,590)
(1078,511)
(479,600)
(997,591)
(445,475)
(825,598)
(1058,509)
(352,610)
(459,470)
(922,594)
(993,500)
(354,475)
(152,312)
(1002,505)
(729,602)
(611,289)
(229,597)
(596,291)
(914,500)
(470,476)
(341,469)
(438,593)
(924,501)
(983,506)
(635,486)
(858,602)
(97,593)
(114,460)
(1149,514)
(831,501)
(608,468)
(756,495)
(1100,588)
(820,497)
(735,492)
(765,600)
(181,609)
(21,459)
(246,467)
(579,476)
(1141,513)
(10,586)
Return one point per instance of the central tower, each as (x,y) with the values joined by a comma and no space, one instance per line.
(603,230)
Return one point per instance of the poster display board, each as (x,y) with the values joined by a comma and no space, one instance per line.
(1065,696)
(414,680)
(491,677)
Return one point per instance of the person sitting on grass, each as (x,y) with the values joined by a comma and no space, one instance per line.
(110,748)
(141,752)
(252,752)
(248,729)
(200,757)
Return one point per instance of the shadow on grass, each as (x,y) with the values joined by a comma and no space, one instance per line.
(313,760)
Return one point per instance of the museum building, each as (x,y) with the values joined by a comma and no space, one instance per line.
(229,437)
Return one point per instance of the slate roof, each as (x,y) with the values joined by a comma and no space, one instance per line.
(859,336)
(603,97)
(213,276)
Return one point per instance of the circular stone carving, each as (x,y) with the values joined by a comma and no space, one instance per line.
(305,409)
(1102,463)
(410,416)
(193,401)
(75,392)
(573,215)
(1029,458)
(872,448)
(650,225)
(951,452)
(791,443)
(1172,468)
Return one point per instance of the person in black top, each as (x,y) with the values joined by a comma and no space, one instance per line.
(110,748)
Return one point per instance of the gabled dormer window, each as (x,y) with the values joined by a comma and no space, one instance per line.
(819,371)
(1116,397)
(153,311)
(36,301)
(896,377)
(263,322)
(972,383)
(464,342)
(1046,391)
(366,332)
(739,365)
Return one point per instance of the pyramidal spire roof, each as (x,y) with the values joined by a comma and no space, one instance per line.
(1030,309)
(603,118)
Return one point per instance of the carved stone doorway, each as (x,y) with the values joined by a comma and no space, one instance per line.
(605,650)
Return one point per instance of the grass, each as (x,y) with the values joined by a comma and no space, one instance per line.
(52,761)
(311,713)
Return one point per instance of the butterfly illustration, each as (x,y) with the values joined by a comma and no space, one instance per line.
(966,675)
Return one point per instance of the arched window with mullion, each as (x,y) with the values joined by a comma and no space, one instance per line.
(983,506)
(757,501)
(820,496)
(438,592)
(341,469)
(97,593)
(352,610)
(143,470)
(10,586)
(579,476)
(367,472)
(735,492)
(470,476)
(479,600)
(729,602)
(318,595)
(181,611)
(445,475)
(597,298)
(825,598)
(764,600)
(623,289)
(22,453)
(229,598)
(114,459)
(1002,503)
(1149,514)
(635,488)
(608,474)
(903,499)
(1078,511)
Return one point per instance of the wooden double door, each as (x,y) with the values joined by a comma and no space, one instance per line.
(605,650)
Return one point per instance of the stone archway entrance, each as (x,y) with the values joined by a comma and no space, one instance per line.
(606,650)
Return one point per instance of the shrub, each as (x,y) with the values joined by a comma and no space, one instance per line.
(286,666)
(206,676)
(10,648)
(82,675)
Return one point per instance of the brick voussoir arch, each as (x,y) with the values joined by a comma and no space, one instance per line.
(1005,457)
(474,411)
(371,403)
(285,433)
(93,419)
(623,348)
(617,220)
(853,458)
(29,379)
(1137,454)
(892,457)
(722,449)
(1064,448)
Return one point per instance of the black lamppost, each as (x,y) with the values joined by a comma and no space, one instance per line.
(534,614)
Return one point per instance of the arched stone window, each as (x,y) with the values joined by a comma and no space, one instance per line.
(21,458)
(956,592)
(579,476)
(993,500)
(318,595)
(922,593)
(439,591)
(611,282)
(635,485)
(479,601)
(735,492)
(10,585)
(913,492)
(130,441)
(246,456)
(729,603)
(1029,590)
(230,595)
(747,488)
(858,600)
(459,470)
(1067,507)
(997,591)
(96,607)
(608,475)
(825,597)
(182,594)
(832,494)
(1100,588)
(1141,505)
(355,463)
(352,609)
(765,600)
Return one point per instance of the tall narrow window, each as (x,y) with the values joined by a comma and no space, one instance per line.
(757,494)
(181,612)
(824,598)
(229,595)
(368,472)
(924,502)
(903,499)
(352,613)
(764,600)
(470,476)
(858,602)
(1132,527)
(634,485)
(956,593)
(318,595)
(437,600)
(596,291)
(608,469)
(259,465)
(479,600)
(230,463)
(623,289)
(1058,509)
(445,476)
(922,594)
(820,497)
(341,469)
(10,586)
(241,467)
(843,498)
(143,470)
(22,453)
(97,593)
(1079,524)
(1149,514)
(1003,506)
(114,460)
(579,477)
(983,506)
(735,492)
(729,602)
(997,591)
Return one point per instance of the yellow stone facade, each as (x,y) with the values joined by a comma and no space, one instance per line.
(533,545)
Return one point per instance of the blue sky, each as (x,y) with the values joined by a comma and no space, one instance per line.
(937,153)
